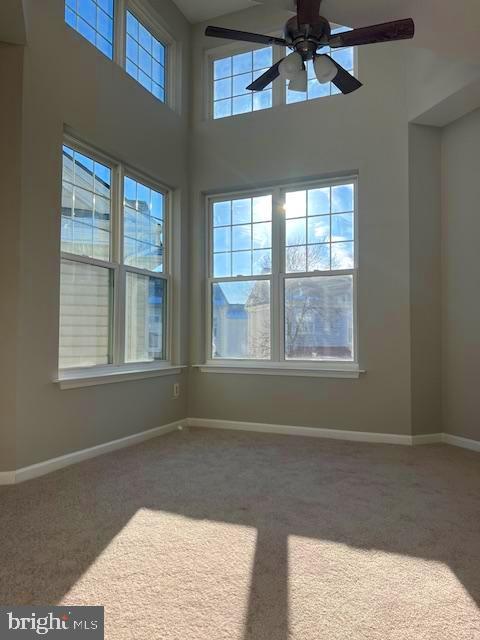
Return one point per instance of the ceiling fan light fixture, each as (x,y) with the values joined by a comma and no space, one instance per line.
(325,69)
(291,65)
(299,82)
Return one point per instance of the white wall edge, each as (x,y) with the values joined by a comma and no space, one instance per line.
(464,443)
(48,466)
(310,432)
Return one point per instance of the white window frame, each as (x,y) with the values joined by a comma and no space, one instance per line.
(279,89)
(86,376)
(278,364)
(152,21)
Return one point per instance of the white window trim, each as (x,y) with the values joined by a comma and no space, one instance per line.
(278,365)
(279,91)
(118,370)
(154,22)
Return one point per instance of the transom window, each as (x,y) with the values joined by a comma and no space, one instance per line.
(93,19)
(145,57)
(114,273)
(283,274)
(232,76)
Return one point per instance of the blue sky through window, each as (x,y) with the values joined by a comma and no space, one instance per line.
(145,58)
(93,19)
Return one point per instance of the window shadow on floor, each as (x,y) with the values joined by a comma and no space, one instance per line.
(422,503)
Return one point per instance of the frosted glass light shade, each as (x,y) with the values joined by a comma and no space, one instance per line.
(325,70)
(299,82)
(291,65)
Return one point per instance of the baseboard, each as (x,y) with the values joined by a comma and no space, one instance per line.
(310,432)
(464,443)
(48,466)
(427,438)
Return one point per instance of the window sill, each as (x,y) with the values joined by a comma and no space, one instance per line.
(303,370)
(75,378)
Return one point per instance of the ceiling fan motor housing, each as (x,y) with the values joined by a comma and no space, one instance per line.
(306,38)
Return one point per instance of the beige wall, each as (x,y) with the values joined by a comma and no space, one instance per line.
(425,277)
(11,64)
(461,279)
(365,132)
(68,83)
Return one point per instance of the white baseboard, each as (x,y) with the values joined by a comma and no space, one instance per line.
(464,443)
(48,466)
(42,468)
(311,432)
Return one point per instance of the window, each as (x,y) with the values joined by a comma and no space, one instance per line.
(114,274)
(145,58)
(283,274)
(232,76)
(93,19)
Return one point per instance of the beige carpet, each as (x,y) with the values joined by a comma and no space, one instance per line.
(208,535)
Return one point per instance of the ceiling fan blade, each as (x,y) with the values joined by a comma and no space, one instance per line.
(265,79)
(308,11)
(243,36)
(344,80)
(387,32)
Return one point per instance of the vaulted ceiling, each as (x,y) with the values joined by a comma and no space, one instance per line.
(446,26)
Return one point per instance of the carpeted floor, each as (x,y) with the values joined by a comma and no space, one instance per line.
(209,535)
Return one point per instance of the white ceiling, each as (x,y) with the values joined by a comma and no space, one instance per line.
(449,26)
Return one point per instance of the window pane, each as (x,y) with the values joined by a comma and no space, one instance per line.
(296,232)
(242,237)
(232,76)
(148,55)
(312,219)
(143,222)
(342,256)
(222,240)
(242,211)
(319,318)
(342,198)
(93,19)
(222,267)
(262,262)
(83,180)
(145,318)
(85,315)
(242,263)
(262,58)
(241,320)
(222,214)
(296,204)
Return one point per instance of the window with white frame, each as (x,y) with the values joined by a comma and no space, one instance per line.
(282,274)
(114,276)
(231,77)
(232,74)
(93,19)
(145,58)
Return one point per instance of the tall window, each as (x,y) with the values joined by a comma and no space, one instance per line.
(145,58)
(231,77)
(114,275)
(283,274)
(93,19)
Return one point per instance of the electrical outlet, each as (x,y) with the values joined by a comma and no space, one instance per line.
(176,390)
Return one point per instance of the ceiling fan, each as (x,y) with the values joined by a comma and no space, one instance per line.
(306,34)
